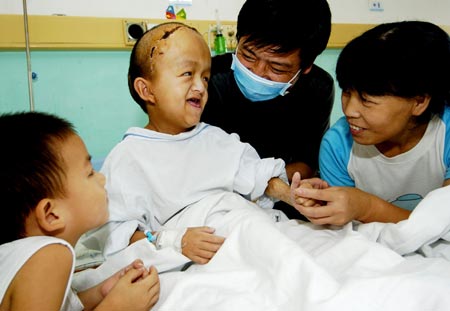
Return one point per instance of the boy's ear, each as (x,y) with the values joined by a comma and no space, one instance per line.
(143,88)
(422,103)
(49,215)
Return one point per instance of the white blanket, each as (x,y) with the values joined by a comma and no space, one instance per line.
(427,230)
(292,265)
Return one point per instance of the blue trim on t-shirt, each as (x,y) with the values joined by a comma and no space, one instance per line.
(336,145)
(334,154)
(446,119)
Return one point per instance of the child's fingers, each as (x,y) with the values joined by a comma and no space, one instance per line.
(214,239)
(133,275)
(155,288)
(153,273)
(153,270)
(152,281)
(315,194)
(208,229)
(309,203)
(137,264)
(145,273)
(296,178)
(300,200)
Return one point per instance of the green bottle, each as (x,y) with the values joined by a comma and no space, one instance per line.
(220,46)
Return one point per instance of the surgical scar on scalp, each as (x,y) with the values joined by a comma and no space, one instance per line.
(165,36)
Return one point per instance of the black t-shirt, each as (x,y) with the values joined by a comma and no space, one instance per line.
(289,127)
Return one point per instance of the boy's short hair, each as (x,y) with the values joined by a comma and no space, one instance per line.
(32,167)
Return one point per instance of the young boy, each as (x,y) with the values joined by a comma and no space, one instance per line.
(176,162)
(392,147)
(51,196)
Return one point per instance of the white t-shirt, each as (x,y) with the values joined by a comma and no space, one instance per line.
(13,256)
(403,180)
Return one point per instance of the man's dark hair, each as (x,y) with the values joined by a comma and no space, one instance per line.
(287,25)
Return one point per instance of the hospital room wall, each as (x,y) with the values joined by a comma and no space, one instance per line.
(343,11)
(89,87)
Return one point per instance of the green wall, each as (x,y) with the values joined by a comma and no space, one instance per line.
(89,88)
(327,60)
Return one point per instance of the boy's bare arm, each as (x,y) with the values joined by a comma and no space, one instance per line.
(278,189)
(137,235)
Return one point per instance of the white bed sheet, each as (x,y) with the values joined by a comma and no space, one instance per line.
(291,265)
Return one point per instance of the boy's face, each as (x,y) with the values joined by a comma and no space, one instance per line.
(85,202)
(182,65)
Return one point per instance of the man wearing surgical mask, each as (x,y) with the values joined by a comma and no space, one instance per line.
(269,91)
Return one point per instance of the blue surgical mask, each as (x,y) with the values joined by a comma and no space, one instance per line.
(256,88)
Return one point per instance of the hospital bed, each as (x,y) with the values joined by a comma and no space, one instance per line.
(294,265)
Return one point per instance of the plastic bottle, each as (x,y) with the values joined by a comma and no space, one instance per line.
(220,46)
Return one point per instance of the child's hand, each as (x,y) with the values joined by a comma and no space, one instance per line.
(136,289)
(315,183)
(109,283)
(200,244)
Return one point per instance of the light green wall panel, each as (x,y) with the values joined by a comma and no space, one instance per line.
(88,88)
(13,82)
(327,60)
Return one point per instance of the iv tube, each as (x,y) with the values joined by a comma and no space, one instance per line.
(218,24)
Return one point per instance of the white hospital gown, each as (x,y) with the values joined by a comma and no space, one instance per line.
(151,176)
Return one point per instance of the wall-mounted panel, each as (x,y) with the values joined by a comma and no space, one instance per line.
(71,32)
